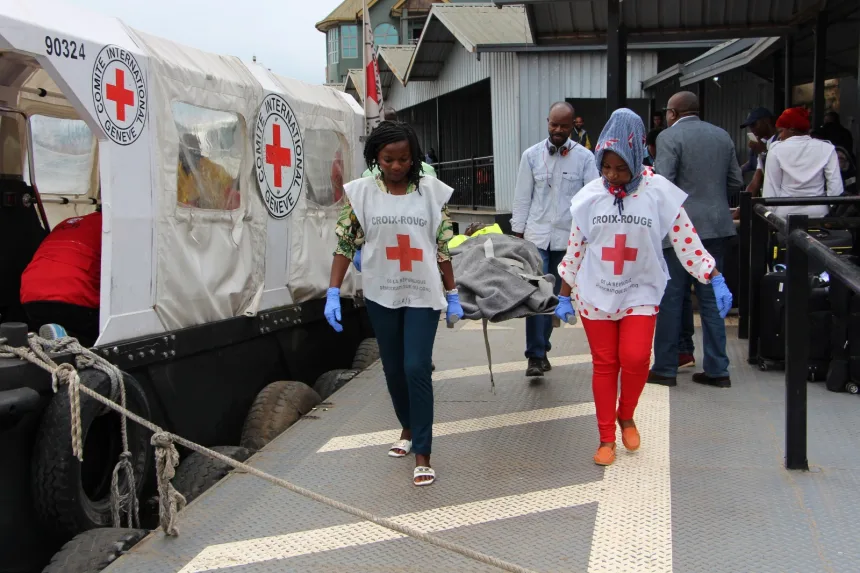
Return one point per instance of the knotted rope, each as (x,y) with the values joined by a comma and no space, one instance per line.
(171,502)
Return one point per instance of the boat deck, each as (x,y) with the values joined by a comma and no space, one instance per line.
(707,492)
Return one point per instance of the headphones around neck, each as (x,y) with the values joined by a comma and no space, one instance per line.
(563,150)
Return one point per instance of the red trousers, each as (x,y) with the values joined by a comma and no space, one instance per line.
(623,345)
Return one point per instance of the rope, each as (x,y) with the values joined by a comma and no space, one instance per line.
(167,458)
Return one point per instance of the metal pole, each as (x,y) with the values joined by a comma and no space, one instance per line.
(758,267)
(788,77)
(819,73)
(778,82)
(474,186)
(744,271)
(616,53)
(796,347)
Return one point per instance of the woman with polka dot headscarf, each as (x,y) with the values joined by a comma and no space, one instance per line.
(615,269)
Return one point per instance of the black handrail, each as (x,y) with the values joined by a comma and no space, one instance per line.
(757,223)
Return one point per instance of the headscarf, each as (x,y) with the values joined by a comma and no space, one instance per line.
(796,118)
(624,134)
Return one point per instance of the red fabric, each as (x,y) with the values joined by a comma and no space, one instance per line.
(796,118)
(618,345)
(67,266)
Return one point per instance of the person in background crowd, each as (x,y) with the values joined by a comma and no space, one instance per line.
(700,159)
(62,284)
(799,166)
(651,147)
(579,133)
(761,126)
(407,254)
(657,121)
(426,168)
(848,170)
(835,133)
(431,156)
(551,173)
(611,244)
(201,182)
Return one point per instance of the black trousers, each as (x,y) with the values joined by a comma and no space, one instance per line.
(80,322)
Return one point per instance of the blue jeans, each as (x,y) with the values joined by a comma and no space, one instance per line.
(405,337)
(669,327)
(688,329)
(539,328)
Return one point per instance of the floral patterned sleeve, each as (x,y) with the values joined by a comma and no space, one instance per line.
(445,234)
(350,236)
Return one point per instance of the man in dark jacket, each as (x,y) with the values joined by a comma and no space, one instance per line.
(700,159)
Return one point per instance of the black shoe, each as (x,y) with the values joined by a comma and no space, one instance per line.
(661,380)
(535,368)
(721,382)
(545,365)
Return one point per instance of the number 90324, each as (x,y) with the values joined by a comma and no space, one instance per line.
(62,48)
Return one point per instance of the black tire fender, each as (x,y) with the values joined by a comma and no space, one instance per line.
(197,473)
(93,551)
(70,496)
(332,381)
(366,354)
(277,407)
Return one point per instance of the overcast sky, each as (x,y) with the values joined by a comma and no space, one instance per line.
(280,33)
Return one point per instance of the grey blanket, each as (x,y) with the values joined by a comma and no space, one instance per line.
(509,285)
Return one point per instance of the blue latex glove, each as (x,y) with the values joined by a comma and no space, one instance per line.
(454,308)
(564,310)
(332,308)
(724,296)
(356,260)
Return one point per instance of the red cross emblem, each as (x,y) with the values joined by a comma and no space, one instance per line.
(404,253)
(619,254)
(277,156)
(117,93)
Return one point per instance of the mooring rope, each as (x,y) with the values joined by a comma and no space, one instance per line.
(171,502)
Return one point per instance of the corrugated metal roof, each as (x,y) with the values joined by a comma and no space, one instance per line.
(396,60)
(345,12)
(763,47)
(339,86)
(569,21)
(355,84)
(478,24)
(471,25)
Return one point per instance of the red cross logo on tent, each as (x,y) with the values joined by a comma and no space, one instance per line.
(404,253)
(120,95)
(619,254)
(277,156)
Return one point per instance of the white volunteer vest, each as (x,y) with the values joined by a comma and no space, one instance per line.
(398,259)
(624,265)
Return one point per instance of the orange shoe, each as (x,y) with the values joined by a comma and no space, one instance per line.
(605,455)
(630,438)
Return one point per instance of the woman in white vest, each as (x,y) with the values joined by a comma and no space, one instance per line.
(615,268)
(399,221)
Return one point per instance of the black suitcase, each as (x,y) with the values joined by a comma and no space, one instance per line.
(772,326)
(839,241)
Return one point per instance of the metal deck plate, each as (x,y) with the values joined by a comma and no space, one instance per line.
(707,491)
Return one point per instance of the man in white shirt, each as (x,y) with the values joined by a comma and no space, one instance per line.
(799,166)
(551,173)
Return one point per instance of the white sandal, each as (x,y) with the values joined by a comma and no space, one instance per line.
(423,471)
(403,445)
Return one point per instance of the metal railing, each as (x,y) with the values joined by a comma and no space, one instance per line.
(758,222)
(472,179)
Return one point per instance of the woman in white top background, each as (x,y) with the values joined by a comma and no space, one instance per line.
(800,166)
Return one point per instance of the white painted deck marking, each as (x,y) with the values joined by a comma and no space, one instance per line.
(386,437)
(520,365)
(632,531)
(363,533)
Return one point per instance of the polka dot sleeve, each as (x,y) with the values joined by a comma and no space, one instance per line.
(688,246)
(573,257)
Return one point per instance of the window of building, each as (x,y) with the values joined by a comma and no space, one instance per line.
(328,164)
(64,155)
(333,46)
(415,29)
(350,41)
(211,152)
(385,34)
